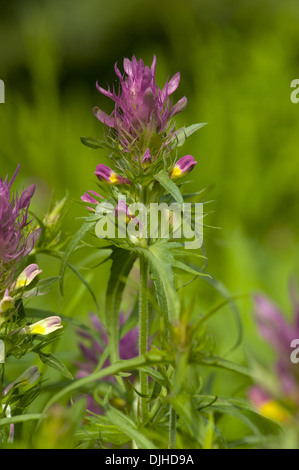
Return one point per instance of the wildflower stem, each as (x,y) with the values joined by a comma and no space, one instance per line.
(143,326)
(172,429)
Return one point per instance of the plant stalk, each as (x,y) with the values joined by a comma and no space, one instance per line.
(143,334)
(143,323)
(172,429)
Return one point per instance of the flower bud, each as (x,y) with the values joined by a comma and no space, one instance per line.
(104,173)
(43,327)
(26,277)
(146,159)
(6,303)
(28,377)
(182,167)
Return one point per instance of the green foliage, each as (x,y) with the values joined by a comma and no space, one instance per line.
(246,158)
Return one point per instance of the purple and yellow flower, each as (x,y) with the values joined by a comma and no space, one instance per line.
(106,174)
(274,328)
(42,327)
(6,303)
(140,104)
(28,377)
(182,167)
(26,277)
(16,241)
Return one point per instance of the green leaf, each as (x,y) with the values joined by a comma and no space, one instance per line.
(152,358)
(55,363)
(220,287)
(186,132)
(59,255)
(242,410)
(215,361)
(128,427)
(191,270)
(170,186)
(161,259)
(85,228)
(93,143)
(184,407)
(122,263)
(42,287)
(21,418)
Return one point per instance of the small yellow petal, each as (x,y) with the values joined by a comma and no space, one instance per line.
(113,178)
(176,172)
(273,410)
(37,330)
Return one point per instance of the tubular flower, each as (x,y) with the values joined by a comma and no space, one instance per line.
(15,243)
(267,406)
(28,377)
(140,105)
(43,327)
(26,277)
(104,173)
(182,167)
(6,303)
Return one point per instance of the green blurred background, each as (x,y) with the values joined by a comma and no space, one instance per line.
(237,59)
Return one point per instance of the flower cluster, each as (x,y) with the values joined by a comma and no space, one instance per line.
(16,240)
(18,334)
(143,136)
(142,111)
(92,351)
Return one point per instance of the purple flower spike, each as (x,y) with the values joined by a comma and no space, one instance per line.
(182,167)
(104,173)
(14,244)
(140,104)
(273,326)
(275,329)
(93,350)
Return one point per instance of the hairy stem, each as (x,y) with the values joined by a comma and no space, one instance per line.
(143,323)
(143,334)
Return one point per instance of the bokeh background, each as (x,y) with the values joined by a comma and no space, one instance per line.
(237,60)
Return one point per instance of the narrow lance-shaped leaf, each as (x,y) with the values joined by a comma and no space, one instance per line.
(122,263)
(85,228)
(169,186)
(160,259)
(186,132)
(42,287)
(128,427)
(55,363)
